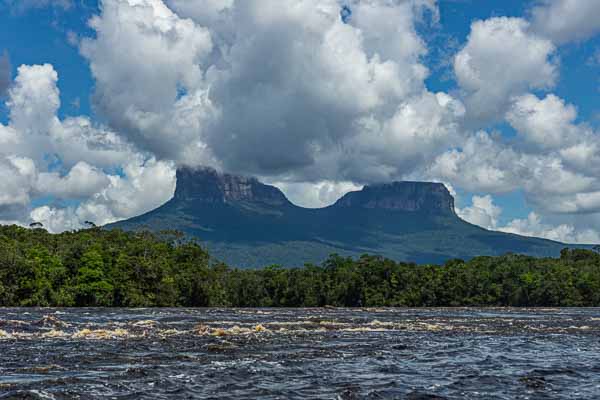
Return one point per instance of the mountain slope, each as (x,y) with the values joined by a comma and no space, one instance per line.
(248,224)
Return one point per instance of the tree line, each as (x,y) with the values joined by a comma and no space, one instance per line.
(97,267)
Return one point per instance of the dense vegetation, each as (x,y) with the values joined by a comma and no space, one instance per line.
(97,267)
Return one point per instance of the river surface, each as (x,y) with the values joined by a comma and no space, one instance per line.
(300,353)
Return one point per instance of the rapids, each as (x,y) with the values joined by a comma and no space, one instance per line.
(300,353)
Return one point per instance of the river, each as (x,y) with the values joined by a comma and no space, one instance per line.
(380,353)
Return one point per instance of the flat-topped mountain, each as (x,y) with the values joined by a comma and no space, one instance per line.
(206,185)
(427,197)
(249,224)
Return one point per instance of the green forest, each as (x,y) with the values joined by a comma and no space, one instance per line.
(97,267)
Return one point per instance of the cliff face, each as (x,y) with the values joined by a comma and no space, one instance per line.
(427,197)
(205,185)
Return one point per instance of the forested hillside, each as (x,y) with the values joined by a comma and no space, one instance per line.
(97,267)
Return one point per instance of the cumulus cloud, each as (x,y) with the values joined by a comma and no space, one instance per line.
(485,213)
(82,181)
(533,226)
(548,122)
(550,125)
(263,75)
(566,20)
(36,132)
(18,177)
(111,179)
(482,212)
(156,94)
(554,158)
(485,163)
(315,195)
(34,99)
(331,82)
(145,185)
(481,164)
(569,150)
(502,58)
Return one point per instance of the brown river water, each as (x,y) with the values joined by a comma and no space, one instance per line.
(462,353)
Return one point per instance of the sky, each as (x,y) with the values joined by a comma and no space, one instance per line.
(101,102)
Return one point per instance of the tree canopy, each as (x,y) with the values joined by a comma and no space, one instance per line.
(97,267)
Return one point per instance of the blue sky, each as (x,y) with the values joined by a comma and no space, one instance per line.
(39,33)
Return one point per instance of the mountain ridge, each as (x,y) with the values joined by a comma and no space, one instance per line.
(247,223)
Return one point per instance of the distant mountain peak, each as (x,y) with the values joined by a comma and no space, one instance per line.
(207,185)
(428,197)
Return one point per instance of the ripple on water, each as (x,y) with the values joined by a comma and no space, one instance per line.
(312,353)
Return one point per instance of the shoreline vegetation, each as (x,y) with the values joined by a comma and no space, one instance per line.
(114,268)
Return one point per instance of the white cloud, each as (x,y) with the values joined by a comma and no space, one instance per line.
(56,220)
(502,58)
(149,79)
(577,202)
(482,164)
(145,186)
(566,20)
(482,212)
(341,104)
(34,99)
(36,132)
(8,135)
(329,78)
(36,142)
(315,195)
(533,226)
(485,213)
(554,158)
(18,178)
(82,181)
(485,163)
(549,123)
(420,128)
(282,75)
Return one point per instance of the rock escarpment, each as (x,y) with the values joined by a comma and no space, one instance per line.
(206,185)
(427,197)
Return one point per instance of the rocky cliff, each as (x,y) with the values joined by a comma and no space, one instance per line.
(206,185)
(427,197)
